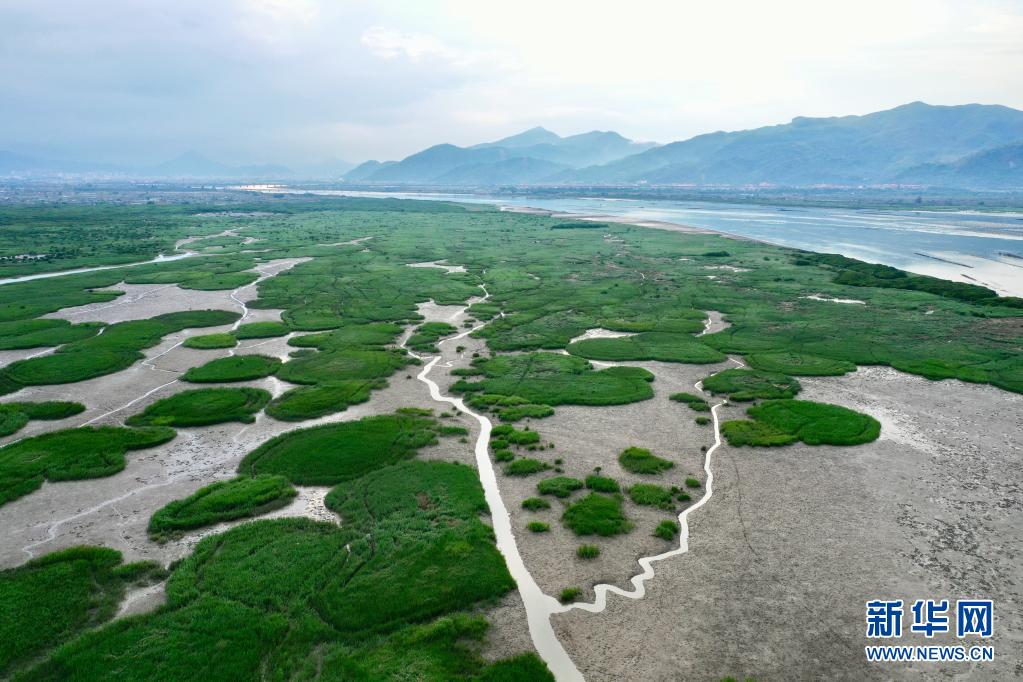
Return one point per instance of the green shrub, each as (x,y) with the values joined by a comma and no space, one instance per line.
(211,341)
(569,594)
(514,414)
(559,486)
(650,495)
(503,455)
(694,402)
(235,368)
(538,526)
(602,484)
(751,384)
(692,482)
(525,467)
(238,498)
(597,514)
(641,461)
(667,530)
(587,551)
(203,406)
(703,421)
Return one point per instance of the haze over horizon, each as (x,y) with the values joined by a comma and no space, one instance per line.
(303,81)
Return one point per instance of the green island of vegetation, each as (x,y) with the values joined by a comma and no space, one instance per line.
(663,346)
(695,402)
(651,495)
(597,514)
(642,461)
(751,384)
(14,416)
(234,368)
(427,334)
(211,341)
(780,422)
(559,486)
(260,330)
(202,407)
(71,455)
(237,498)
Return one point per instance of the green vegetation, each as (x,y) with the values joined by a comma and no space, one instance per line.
(211,341)
(650,495)
(512,435)
(538,526)
(642,461)
(234,368)
(692,482)
(569,595)
(559,486)
(525,467)
(535,504)
(70,455)
(503,455)
(53,598)
(517,412)
(597,514)
(751,384)
(309,402)
(203,406)
(117,348)
(553,379)
(427,334)
(261,330)
(667,530)
(14,416)
(238,498)
(703,421)
(662,346)
(780,422)
(333,453)
(587,552)
(602,484)
(799,364)
(694,402)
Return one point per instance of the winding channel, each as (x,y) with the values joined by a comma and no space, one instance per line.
(539,605)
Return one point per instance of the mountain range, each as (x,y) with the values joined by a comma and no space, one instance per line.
(970,146)
(967,146)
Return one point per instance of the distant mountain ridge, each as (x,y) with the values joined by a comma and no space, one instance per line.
(532,156)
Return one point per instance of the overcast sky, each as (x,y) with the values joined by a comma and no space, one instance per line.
(305,80)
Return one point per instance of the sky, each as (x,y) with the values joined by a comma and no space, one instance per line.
(306,81)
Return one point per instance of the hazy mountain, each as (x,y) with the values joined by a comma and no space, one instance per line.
(366,169)
(998,168)
(529,157)
(874,148)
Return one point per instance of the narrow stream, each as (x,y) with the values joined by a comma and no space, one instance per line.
(78,271)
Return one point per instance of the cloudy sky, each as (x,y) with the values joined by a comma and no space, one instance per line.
(295,81)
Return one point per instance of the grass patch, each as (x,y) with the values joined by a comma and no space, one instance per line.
(530,411)
(333,453)
(667,530)
(559,486)
(703,421)
(694,402)
(525,467)
(752,384)
(663,346)
(211,341)
(799,364)
(780,422)
(202,407)
(427,334)
(569,595)
(587,552)
(236,368)
(642,461)
(538,527)
(71,455)
(692,482)
(650,495)
(310,402)
(14,416)
(535,504)
(554,379)
(602,484)
(261,330)
(503,455)
(597,514)
(238,498)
